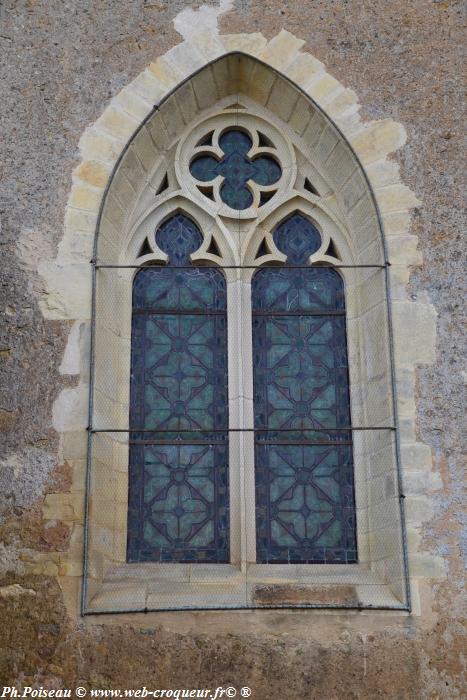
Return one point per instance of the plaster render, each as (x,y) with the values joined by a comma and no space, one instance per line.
(67,299)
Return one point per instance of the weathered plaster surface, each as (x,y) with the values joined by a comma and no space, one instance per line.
(62,65)
(191,21)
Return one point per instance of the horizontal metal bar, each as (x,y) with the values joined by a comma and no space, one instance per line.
(258,442)
(334,443)
(202,312)
(175,442)
(196,266)
(239,430)
(286,606)
(298,313)
(179,312)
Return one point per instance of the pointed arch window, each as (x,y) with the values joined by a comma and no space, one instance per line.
(305,510)
(242,447)
(178,465)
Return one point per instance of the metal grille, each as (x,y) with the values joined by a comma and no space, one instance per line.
(378,580)
(371,575)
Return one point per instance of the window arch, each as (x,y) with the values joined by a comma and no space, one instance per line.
(298,194)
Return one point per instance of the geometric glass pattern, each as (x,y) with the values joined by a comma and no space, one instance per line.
(178,483)
(179,237)
(236,168)
(305,510)
(297,238)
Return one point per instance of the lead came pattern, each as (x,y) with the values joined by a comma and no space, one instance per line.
(178,496)
(304,490)
(179,503)
(305,511)
(297,238)
(183,382)
(236,168)
(301,373)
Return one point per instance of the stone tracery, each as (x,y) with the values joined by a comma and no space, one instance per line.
(236,169)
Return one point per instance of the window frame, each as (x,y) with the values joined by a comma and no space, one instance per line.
(241,406)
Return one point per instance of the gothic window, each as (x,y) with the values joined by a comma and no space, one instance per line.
(303,449)
(178,464)
(178,468)
(241,449)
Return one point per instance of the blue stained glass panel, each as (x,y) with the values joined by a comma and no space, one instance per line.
(313,290)
(236,168)
(182,370)
(178,493)
(298,238)
(166,289)
(303,466)
(305,507)
(301,375)
(181,502)
(178,236)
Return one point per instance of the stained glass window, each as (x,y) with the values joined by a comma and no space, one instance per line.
(305,509)
(236,168)
(178,479)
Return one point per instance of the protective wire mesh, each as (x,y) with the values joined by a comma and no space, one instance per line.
(373,575)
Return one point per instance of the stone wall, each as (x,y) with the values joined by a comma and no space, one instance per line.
(64,70)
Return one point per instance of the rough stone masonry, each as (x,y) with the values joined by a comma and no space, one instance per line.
(63,65)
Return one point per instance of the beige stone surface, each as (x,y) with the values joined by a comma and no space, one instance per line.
(99,146)
(208,44)
(324,87)
(149,88)
(117,123)
(85,198)
(133,104)
(64,506)
(304,70)
(251,44)
(165,72)
(281,50)
(395,198)
(93,173)
(414,332)
(185,57)
(377,139)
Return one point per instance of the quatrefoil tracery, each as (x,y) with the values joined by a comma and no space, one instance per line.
(239,171)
